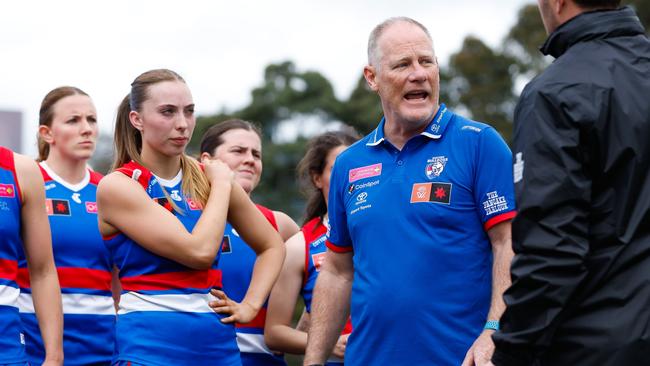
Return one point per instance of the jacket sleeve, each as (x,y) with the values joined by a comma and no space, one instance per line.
(550,231)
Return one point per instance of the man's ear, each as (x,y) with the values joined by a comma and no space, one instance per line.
(370,74)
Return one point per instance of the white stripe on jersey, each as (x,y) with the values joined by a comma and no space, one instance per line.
(187,303)
(8,295)
(74,304)
(252,343)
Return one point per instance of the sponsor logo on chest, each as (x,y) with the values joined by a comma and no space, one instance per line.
(318,260)
(91,207)
(7,190)
(363,172)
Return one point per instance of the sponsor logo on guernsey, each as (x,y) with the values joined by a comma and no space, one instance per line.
(471,128)
(318,241)
(225,245)
(193,205)
(91,207)
(318,260)
(435,127)
(359,208)
(355,187)
(435,166)
(494,203)
(4,206)
(175,196)
(518,167)
(50,186)
(431,192)
(75,197)
(7,190)
(56,207)
(361,198)
(363,172)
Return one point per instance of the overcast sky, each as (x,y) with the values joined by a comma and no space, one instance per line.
(219,47)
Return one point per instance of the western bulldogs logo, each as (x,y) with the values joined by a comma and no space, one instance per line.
(435,166)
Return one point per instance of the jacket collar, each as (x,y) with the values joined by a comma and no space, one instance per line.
(598,24)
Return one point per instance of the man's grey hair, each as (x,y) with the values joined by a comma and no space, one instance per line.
(374,53)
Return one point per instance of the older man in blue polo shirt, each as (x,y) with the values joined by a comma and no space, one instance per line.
(420,210)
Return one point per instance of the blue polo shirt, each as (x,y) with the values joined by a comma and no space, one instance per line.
(416,220)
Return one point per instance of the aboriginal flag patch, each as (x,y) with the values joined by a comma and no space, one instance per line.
(431,192)
(56,207)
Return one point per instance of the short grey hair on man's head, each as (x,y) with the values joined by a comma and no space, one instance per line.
(374,53)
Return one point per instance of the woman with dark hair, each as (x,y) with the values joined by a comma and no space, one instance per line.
(24,229)
(238,143)
(67,136)
(306,250)
(163,218)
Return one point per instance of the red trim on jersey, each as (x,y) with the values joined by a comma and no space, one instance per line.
(8,162)
(128,169)
(337,249)
(73,277)
(173,280)
(311,231)
(112,236)
(8,269)
(257,322)
(270,216)
(305,268)
(498,219)
(46,177)
(347,329)
(95,177)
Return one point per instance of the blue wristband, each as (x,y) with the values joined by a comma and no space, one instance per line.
(492,324)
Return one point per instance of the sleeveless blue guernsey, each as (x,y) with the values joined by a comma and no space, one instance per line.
(315,234)
(84,270)
(163,317)
(236,264)
(12,349)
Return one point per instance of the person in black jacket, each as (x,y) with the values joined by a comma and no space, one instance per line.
(581,275)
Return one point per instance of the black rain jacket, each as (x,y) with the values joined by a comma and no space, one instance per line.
(581,273)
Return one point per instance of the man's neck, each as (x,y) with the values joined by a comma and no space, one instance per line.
(398,132)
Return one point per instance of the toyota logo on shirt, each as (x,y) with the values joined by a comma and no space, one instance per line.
(362,196)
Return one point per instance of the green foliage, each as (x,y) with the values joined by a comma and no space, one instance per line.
(278,188)
(483,79)
(525,38)
(363,109)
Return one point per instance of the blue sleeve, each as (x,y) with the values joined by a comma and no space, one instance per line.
(338,236)
(494,191)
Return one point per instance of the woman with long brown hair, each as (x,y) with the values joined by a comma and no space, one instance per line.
(306,250)
(162,219)
(67,137)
